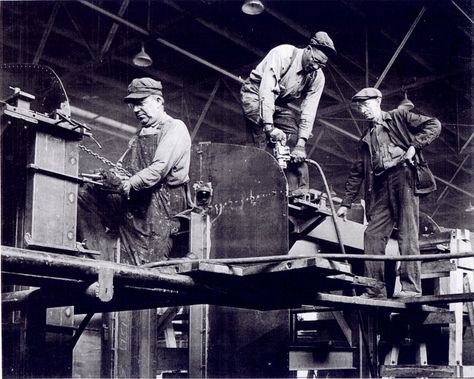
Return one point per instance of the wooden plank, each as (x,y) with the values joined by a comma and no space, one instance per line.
(242,269)
(414,371)
(339,301)
(440,299)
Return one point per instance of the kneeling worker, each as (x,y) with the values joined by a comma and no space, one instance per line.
(387,159)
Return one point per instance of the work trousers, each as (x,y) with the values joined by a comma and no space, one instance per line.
(145,226)
(394,203)
(285,119)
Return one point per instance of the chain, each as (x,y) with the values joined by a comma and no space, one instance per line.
(118,167)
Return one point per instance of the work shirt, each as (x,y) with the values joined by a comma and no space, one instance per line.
(385,153)
(280,79)
(172,156)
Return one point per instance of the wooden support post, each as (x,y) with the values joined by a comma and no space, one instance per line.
(456,328)
(199,244)
(468,287)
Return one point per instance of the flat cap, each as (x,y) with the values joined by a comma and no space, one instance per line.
(366,94)
(322,41)
(143,87)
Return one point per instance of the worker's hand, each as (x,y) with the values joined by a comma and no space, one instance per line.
(298,154)
(410,154)
(276,135)
(119,174)
(126,187)
(342,212)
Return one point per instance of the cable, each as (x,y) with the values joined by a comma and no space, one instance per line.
(339,238)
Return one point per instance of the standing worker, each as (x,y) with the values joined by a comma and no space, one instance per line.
(158,158)
(390,162)
(286,74)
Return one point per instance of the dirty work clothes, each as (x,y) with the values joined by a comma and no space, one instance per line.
(145,221)
(394,204)
(278,80)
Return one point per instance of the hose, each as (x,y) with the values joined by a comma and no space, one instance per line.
(343,250)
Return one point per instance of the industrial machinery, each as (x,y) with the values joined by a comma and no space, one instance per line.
(258,253)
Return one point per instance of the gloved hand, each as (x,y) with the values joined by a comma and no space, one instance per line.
(342,212)
(110,181)
(275,135)
(298,154)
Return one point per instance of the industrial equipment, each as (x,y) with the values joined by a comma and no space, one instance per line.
(256,253)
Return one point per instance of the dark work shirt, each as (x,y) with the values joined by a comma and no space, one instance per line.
(385,153)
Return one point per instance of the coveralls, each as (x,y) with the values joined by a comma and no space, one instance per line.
(159,163)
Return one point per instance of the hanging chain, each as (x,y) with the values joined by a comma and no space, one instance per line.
(118,167)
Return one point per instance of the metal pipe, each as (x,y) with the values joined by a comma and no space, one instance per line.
(400,47)
(37,262)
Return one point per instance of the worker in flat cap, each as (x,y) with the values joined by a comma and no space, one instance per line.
(286,74)
(157,160)
(391,164)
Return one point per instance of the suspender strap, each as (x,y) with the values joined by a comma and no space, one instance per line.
(293,57)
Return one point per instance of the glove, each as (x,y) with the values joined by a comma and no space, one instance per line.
(110,181)
(275,135)
(298,154)
(342,212)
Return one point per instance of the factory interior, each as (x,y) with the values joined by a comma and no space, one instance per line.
(260,282)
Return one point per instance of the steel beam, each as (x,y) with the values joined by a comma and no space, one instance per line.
(46,32)
(205,109)
(113,29)
(400,47)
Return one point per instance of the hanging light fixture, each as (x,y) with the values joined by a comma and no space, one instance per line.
(406,103)
(252,7)
(142,59)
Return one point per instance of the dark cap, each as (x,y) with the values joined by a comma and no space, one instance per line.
(366,94)
(143,87)
(322,41)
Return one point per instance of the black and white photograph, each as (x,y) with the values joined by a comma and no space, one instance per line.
(237,188)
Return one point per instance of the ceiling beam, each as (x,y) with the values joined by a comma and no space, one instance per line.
(400,47)
(113,29)
(46,32)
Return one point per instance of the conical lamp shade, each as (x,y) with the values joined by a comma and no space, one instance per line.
(142,59)
(406,104)
(252,7)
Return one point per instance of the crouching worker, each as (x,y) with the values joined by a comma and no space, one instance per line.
(390,162)
(141,206)
(286,74)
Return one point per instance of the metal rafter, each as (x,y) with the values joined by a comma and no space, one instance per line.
(400,47)
(113,29)
(46,32)
(205,109)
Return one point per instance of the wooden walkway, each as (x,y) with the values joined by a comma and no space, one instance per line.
(265,283)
